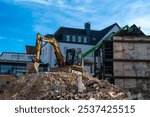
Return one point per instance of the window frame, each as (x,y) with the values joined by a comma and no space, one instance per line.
(79,39)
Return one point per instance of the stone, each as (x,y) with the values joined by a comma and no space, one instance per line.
(60,86)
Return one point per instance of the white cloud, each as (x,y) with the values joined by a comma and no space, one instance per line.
(60,13)
(86,1)
(138,13)
(61,3)
(100,13)
(36,1)
(126,13)
(64,4)
(20,40)
(143,22)
(84,9)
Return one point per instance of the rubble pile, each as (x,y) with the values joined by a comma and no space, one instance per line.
(4,82)
(60,86)
(142,87)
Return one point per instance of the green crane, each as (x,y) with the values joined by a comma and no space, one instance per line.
(102,41)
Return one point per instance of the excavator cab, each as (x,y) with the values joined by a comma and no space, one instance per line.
(74,57)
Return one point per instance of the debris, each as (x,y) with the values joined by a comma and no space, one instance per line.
(116,96)
(60,86)
(142,88)
(81,86)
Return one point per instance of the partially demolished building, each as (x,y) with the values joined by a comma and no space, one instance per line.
(126,58)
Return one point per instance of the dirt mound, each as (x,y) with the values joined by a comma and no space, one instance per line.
(59,86)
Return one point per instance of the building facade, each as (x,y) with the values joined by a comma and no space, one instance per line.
(131,61)
(83,39)
(12,56)
(12,63)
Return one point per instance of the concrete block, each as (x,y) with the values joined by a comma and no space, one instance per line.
(118,68)
(118,55)
(128,46)
(126,55)
(118,46)
(129,72)
(80,84)
(129,83)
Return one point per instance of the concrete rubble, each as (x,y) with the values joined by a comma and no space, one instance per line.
(143,88)
(60,86)
(5,81)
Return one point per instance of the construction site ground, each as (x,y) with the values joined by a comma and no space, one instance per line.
(59,86)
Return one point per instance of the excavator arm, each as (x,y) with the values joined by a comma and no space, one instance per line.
(33,67)
(73,56)
(38,48)
(53,41)
(59,56)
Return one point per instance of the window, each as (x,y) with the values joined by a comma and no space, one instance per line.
(14,57)
(21,70)
(79,39)
(85,39)
(6,69)
(67,37)
(73,38)
(21,57)
(30,58)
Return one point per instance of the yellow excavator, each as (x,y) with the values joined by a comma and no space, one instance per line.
(73,60)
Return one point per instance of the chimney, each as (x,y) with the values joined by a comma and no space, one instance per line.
(87,28)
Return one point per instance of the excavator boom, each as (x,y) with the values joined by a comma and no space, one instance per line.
(73,56)
(58,53)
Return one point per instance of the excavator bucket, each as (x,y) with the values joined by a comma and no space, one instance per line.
(33,67)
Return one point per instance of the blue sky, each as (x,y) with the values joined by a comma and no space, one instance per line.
(20,20)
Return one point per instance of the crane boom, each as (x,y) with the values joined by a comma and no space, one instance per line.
(102,41)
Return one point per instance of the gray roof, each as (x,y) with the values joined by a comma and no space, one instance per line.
(98,34)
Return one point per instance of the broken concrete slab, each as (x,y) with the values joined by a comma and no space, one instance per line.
(59,86)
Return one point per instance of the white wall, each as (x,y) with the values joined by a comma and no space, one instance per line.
(45,53)
(49,56)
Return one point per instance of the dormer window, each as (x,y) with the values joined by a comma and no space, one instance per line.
(73,38)
(85,39)
(79,39)
(67,37)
